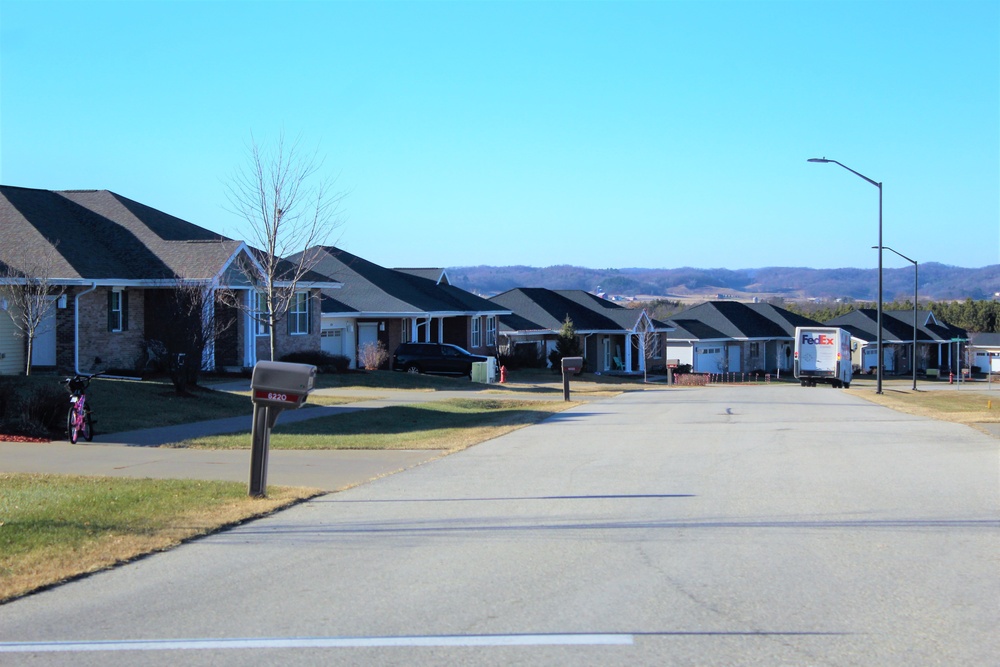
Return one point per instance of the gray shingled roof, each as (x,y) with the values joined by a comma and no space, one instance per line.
(719,320)
(897,326)
(99,235)
(542,309)
(370,288)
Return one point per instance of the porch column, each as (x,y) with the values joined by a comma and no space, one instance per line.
(440,330)
(208,320)
(250,331)
(628,352)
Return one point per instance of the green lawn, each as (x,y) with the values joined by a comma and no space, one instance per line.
(451,424)
(54,526)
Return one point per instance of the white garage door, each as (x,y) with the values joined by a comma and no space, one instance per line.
(332,341)
(709,359)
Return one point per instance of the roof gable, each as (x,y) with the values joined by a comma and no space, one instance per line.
(97,235)
(368,287)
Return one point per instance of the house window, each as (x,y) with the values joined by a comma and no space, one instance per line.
(298,314)
(260,314)
(117,311)
(477,332)
(491,331)
(754,350)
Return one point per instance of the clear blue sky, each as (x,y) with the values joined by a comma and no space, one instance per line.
(648,134)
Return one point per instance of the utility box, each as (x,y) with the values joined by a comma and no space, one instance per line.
(275,386)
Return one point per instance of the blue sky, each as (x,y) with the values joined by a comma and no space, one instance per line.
(600,134)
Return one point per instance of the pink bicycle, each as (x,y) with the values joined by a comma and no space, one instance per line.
(79,420)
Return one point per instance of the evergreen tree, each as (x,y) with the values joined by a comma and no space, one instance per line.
(567,345)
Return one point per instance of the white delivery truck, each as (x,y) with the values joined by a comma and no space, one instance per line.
(823,354)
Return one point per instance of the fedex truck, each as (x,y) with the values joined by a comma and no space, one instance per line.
(823,354)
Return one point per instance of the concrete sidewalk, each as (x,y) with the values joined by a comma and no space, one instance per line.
(140,453)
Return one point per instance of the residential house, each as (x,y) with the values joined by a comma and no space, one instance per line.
(392,306)
(614,338)
(119,261)
(935,340)
(984,350)
(734,337)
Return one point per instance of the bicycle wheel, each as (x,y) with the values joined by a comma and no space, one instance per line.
(71,425)
(88,426)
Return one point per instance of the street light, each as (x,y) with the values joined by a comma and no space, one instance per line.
(878,344)
(914,359)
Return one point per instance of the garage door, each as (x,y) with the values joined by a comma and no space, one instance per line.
(709,359)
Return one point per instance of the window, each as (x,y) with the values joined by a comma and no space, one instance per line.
(491,331)
(117,310)
(298,314)
(477,332)
(260,314)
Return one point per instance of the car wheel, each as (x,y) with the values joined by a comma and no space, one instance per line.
(412,369)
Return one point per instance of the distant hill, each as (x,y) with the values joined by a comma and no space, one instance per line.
(937,281)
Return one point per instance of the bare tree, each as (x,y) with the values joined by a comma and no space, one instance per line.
(649,343)
(289,209)
(29,294)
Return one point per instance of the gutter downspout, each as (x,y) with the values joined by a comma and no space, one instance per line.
(76,327)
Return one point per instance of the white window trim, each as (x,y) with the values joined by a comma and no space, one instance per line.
(477,332)
(295,314)
(260,326)
(491,331)
(116,310)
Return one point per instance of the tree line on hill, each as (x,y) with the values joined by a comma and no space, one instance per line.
(974,316)
(938,282)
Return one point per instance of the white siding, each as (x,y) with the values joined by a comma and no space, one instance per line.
(11,347)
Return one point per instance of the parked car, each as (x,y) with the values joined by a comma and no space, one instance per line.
(439,358)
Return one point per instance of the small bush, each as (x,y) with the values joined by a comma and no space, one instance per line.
(371,356)
(524,356)
(323,361)
(30,408)
(690,380)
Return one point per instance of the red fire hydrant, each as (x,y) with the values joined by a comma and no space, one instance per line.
(503,374)
(951,378)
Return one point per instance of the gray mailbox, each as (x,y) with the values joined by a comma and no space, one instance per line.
(281,384)
(274,387)
(570,366)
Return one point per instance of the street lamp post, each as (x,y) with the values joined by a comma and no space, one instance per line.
(915,284)
(878,344)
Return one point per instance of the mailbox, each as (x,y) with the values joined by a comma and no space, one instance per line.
(281,384)
(572,364)
(275,386)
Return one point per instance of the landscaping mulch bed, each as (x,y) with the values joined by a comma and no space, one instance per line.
(21,438)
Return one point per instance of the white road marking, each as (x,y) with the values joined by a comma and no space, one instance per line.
(319,642)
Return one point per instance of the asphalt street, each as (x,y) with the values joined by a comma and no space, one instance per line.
(761,525)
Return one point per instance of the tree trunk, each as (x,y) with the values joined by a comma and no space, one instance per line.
(27,363)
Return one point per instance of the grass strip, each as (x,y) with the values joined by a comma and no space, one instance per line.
(964,407)
(55,527)
(452,425)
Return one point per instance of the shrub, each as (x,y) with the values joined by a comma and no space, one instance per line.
(323,361)
(524,356)
(31,408)
(371,356)
(690,380)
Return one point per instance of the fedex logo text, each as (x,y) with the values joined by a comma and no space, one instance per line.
(821,339)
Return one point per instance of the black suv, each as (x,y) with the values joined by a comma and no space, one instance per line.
(434,358)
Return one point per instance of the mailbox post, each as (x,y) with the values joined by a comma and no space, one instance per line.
(275,386)
(570,366)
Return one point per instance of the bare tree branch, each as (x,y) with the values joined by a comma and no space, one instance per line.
(27,289)
(289,208)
